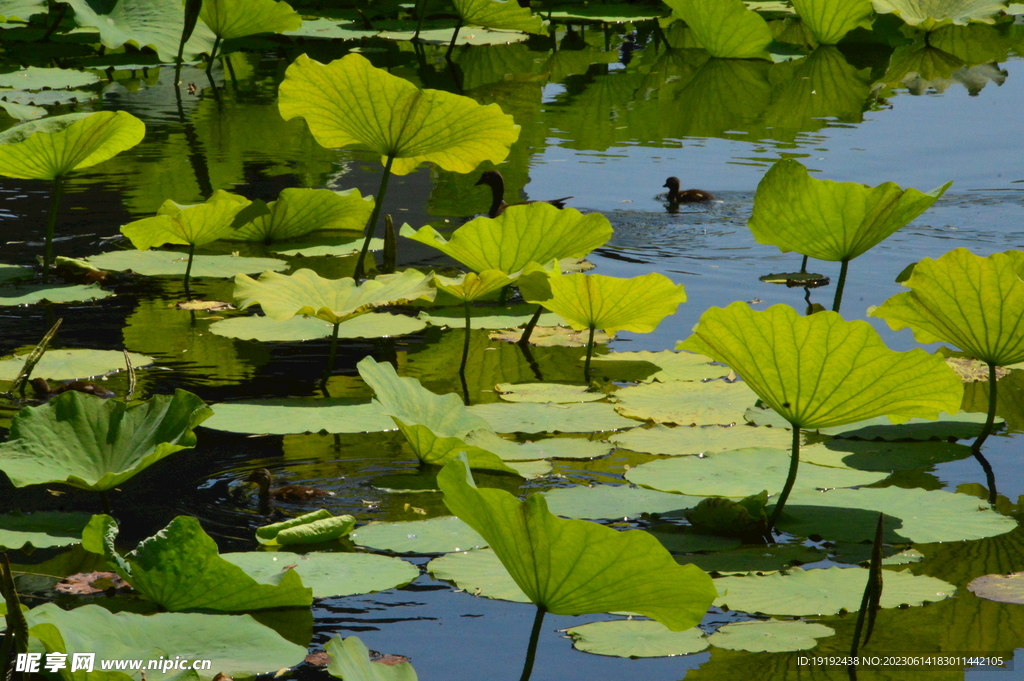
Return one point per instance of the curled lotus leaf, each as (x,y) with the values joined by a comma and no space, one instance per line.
(298,212)
(350,659)
(931,14)
(472,286)
(195,225)
(238,18)
(145,23)
(499,14)
(725,28)
(830,20)
(351,102)
(821,370)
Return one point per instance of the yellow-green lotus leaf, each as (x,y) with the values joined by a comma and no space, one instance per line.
(595,301)
(49,148)
(975,303)
(499,14)
(830,220)
(298,212)
(283,296)
(473,286)
(821,370)
(931,14)
(195,225)
(351,102)
(534,232)
(830,20)
(725,28)
(239,18)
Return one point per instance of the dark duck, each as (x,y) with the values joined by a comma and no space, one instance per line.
(675,196)
(263,478)
(496,182)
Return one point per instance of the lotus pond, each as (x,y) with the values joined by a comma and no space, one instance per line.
(278,391)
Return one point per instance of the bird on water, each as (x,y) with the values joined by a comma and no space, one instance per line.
(496,182)
(675,196)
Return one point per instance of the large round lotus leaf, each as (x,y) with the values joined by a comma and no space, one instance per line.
(683,440)
(930,14)
(636,638)
(66,364)
(802,593)
(961,426)
(239,18)
(675,366)
(144,23)
(740,473)
(487,317)
(499,15)
(327,29)
(530,469)
(313,247)
(329,574)
(41,530)
(614,501)
(882,456)
(239,645)
(551,418)
(286,416)
(1000,588)
(757,558)
(911,515)
(154,263)
(686,402)
(437,535)
(33,78)
(31,294)
(194,224)
(773,636)
(47,97)
(478,572)
(553,337)
(549,448)
(370,325)
(725,28)
(547,393)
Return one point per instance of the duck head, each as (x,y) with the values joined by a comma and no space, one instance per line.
(672,184)
(492,178)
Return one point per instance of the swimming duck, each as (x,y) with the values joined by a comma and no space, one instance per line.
(674,196)
(496,182)
(263,478)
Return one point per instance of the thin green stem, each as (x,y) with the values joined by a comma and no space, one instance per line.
(465,341)
(423,15)
(803,265)
(331,356)
(530,326)
(451,45)
(188,271)
(590,352)
(839,287)
(990,420)
(531,650)
(794,463)
(371,228)
(51,225)
(213,53)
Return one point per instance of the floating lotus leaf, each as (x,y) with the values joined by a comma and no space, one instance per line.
(144,23)
(614,501)
(478,572)
(534,232)
(960,426)
(546,393)
(437,535)
(291,415)
(9,273)
(771,636)
(69,364)
(47,97)
(329,30)
(298,212)
(333,300)
(740,473)
(350,660)
(473,286)
(548,448)
(499,14)
(680,441)
(830,220)
(802,593)
(327,573)
(686,403)
(32,78)
(488,317)
(194,225)
(1001,588)
(96,444)
(52,147)
(21,10)
(823,371)
(310,528)
(830,20)
(681,539)
(241,646)
(756,558)
(552,336)
(931,14)
(41,530)
(573,566)
(337,247)
(550,418)
(443,36)
(349,101)
(229,19)
(636,638)
(370,325)
(972,302)
(725,28)
(22,112)
(675,366)
(883,456)
(172,263)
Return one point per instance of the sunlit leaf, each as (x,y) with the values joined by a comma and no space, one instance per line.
(369,325)
(143,23)
(725,28)
(472,286)
(350,660)
(686,403)
(42,529)
(931,14)
(33,78)
(70,364)
(298,212)
(636,638)
(193,225)
(614,501)
(830,20)
(500,14)
(239,18)
(436,535)
(771,636)
(154,263)
(310,528)
(294,415)
(681,441)
(328,573)
(526,417)
(547,393)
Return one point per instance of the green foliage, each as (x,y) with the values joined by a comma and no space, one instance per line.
(932,14)
(298,212)
(310,528)
(719,515)
(238,18)
(143,23)
(725,28)
(636,638)
(194,225)
(350,660)
(500,14)
(830,20)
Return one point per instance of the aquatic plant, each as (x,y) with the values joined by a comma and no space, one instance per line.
(725,28)
(467,288)
(229,19)
(158,24)
(350,660)
(930,15)
(301,212)
(830,20)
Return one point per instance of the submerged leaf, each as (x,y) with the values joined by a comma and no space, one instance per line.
(238,18)
(725,28)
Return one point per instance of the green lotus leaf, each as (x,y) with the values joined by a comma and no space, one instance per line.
(289,415)
(443,36)
(240,646)
(686,403)
(153,263)
(96,444)
(329,30)
(69,364)
(332,300)
(328,574)
(725,28)
(828,220)
(574,567)
(349,101)
(975,303)
(229,19)
(535,232)
(826,591)
(546,393)
(931,14)
(756,558)
(1009,399)
(1000,588)
(41,530)
(883,456)
(350,660)
(310,528)
(636,638)
(675,366)
(680,441)
(548,448)
(369,325)
(524,417)
(36,293)
(472,286)
(478,572)
(436,535)
(771,636)
(488,317)
(959,426)
(52,147)
(21,10)
(614,501)
(32,78)
(823,371)
(179,568)
(721,516)
(22,112)
(298,212)
(499,14)
(194,225)
(830,20)
(144,23)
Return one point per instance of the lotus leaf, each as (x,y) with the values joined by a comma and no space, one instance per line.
(883,456)
(614,501)
(830,20)
(333,300)
(721,516)
(549,448)
(931,14)
(437,535)
(1009,400)
(682,440)
(310,528)
(636,638)
(229,19)
(32,78)
(499,14)
(349,101)
(771,636)
(41,530)
(23,10)
(68,364)
(547,393)
(370,325)
(171,263)
(52,147)
(525,417)
(144,23)
(472,286)
(443,36)
(328,574)
(22,112)
(756,558)
(534,232)
(574,567)
(725,28)
(1000,588)
(350,660)
(686,403)
(241,646)
(827,220)
(96,444)
(478,572)
(488,317)
(194,225)
(682,540)
(675,366)
(329,30)
(959,426)
(290,415)
(298,212)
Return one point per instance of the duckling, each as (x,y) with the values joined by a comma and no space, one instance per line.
(263,478)
(675,197)
(496,182)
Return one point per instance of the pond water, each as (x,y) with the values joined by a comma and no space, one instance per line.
(607,133)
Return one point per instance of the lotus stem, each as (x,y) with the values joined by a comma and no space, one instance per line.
(371,228)
(451,45)
(63,10)
(231,71)
(530,325)
(794,464)
(51,225)
(993,387)
(870,602)
(531,650)
(390,263)
(465,341)
(422,6)
(105,500)
(534,367)
(803,266)
(192,9)
(16,640)
(839,286)
(188,271)
(330,360)
(213,53)
(590,352)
